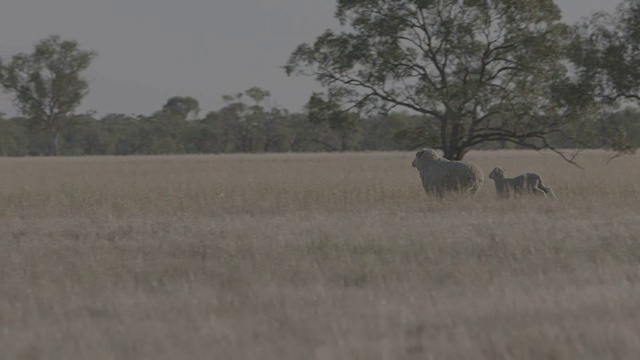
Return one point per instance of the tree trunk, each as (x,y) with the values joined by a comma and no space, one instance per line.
(450,153)
(453,149)
(344,142)
(460,153)
(454,152)
(55,151)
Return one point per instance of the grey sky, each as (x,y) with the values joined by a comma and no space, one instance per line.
(150,50)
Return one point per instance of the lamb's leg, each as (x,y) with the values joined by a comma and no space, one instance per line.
(506,192)
(539,192)
(547,190)
(530,186)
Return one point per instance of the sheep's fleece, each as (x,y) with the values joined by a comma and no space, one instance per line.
(440,175)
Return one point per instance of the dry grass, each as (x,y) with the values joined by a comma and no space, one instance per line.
(314,256)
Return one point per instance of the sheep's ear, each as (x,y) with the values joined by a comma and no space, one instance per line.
(419,153)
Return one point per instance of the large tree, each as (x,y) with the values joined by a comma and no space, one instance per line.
(48,84)
(482,70)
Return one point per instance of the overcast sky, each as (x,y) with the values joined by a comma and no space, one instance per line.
(150,50)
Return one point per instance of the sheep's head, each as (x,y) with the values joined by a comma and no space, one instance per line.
(498,173)
(424,155)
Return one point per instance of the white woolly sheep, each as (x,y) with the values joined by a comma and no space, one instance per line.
(440,175)
(527,183)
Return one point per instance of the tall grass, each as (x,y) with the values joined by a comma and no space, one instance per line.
(325,256)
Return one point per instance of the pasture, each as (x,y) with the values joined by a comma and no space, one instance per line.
(315,256)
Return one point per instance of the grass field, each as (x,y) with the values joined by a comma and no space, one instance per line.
(315,256)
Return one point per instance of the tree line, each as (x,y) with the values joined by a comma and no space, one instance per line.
(400,74)
(246,124)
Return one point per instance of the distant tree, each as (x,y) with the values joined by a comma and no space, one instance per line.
(126,134)
(13,141)
(482,71)
(327,109)
(252,126)
(182,107)
(268,119)
(257,94)
(217,138)
(47,84)
(84,135)
(165,131)
(199,138)
(298,132)
(169,127)
(273,131)
(238,123)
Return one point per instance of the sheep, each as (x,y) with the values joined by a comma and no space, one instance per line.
(527,183)
(440,175)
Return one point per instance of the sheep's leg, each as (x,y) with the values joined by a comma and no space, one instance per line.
(474,191)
